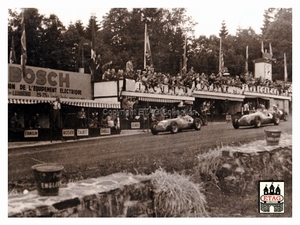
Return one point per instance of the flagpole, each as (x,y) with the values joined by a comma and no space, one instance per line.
(23,44)
(220,55)
(145,45)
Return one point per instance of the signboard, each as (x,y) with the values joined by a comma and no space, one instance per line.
(105,131)
(68,133)
(31,133)
(135,125)
(83,132)
(47,83)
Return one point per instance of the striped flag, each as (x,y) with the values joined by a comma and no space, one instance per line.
(147,49)
(184,66)
(93,52)
(12,54)
(285,68)
(271,52)
(23,45)
(246,65)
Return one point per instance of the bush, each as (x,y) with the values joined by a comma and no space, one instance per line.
(176,196)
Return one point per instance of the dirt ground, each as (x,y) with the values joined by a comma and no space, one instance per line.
(219,203)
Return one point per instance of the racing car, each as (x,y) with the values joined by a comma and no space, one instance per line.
(174,125)
(256,119)
(283,115)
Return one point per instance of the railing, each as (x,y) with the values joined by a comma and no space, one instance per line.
(138,86)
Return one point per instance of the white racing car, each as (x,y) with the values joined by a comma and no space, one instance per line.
(174,125)
(256,119)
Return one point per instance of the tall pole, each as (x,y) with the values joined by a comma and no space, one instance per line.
(220,55)
(145,45)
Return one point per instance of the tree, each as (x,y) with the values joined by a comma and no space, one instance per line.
(54,49)
(223,32)
(279,34)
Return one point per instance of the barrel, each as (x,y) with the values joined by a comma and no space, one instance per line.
(47,177)
(272,136)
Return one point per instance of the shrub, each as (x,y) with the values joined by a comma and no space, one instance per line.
(176,196)
(208,164)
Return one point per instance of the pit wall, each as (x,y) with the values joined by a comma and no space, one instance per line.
(240,168)
(117,195)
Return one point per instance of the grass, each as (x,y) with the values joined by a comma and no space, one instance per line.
(177,196)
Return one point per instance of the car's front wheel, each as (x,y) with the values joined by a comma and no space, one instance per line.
(257,122)
(197,124)
(153,130)
(174,127)
(235,123)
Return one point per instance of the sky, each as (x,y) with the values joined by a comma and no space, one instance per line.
(208,23)
(208,14)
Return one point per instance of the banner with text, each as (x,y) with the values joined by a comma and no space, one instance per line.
(47,83)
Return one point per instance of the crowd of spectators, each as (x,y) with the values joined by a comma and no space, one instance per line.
(190,80)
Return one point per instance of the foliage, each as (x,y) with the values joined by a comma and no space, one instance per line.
(208,164)
(120,34)
(176,196)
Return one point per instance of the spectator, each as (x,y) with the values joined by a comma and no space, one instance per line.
(98,68)
(34,121)
(106,67)
(15,121)
(106,75)
(81,116)
(129,67)
(56,113)
(246,108)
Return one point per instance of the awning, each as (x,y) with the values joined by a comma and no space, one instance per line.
(218,95)
(67,101)
(28,100)
(90,103)
(249,94)
(164,98)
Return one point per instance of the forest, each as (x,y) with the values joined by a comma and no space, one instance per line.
(120,34)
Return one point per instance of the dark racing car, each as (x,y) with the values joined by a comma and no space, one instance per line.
(256,119)
(174,125)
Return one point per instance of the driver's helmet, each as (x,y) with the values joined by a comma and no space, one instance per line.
(275,107)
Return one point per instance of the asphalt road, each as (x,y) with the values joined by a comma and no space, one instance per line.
(121,149)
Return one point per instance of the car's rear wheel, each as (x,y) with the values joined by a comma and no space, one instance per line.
(257,122)
(153,128)
(276,119)
(235,123)
(197,124)
(174,127)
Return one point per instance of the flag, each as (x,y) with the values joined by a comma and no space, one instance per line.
(184,66)
(271,52)
(12,54)
(93,52)
(147,49)
(262,48)
(246,65)
(23,45)
(285,68)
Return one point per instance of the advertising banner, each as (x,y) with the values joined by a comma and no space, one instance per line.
(47,83)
